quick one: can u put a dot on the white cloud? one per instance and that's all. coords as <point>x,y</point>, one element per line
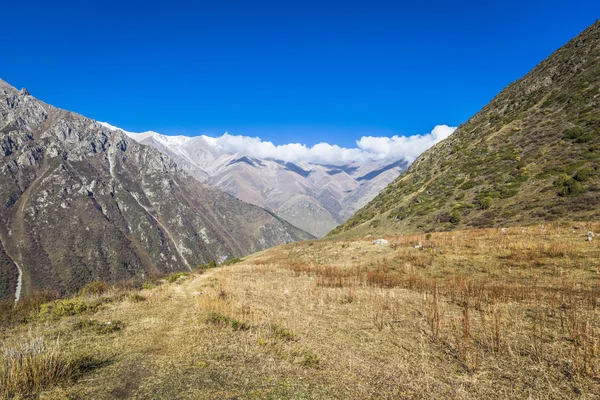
<point>368,148</point>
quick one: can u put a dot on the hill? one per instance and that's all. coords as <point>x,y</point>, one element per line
<point>79,202</point>
<point>531,155</point>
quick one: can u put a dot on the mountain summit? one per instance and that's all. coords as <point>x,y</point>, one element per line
<point>531,155</point>
<point>80,202</point>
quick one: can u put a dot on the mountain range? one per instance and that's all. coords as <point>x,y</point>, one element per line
<point>531,155</point>
<point>80,202</point>
<point>314,197</point>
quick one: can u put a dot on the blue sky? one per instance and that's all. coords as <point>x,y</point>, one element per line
<point>287,71</point>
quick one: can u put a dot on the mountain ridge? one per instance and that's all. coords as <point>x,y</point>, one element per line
<point>80,202</point>
<point>314,197</point>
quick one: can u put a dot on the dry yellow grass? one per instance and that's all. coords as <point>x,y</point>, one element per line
<point>496,313</point>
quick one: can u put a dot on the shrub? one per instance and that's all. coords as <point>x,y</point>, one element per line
<point>568,186</point>
<point>67,307</point>
<point>583,174</point>
<point>468,185</point>
<point>577,134</point>
<point>455,217</point>
<point>94,288</point>
<point>11,314</point>
<point>487,203</point>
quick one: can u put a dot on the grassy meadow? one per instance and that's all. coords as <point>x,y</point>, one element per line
<point>490,313</point>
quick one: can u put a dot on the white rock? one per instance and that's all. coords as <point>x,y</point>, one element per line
<point>380,241</point>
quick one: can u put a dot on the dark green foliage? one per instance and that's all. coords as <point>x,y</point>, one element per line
<point>568,186</point>
<point>583,174</point>
<point>455,217</point>
<point>578,134</point>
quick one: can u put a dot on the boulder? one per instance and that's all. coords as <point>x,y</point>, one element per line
<point>380,241</point>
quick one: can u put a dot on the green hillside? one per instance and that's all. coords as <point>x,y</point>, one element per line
<point>531,155</point>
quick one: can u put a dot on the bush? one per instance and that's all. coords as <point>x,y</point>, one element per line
<point>577,134</point>
<point>487,203</point>
<point>583,174</point>
<point>568,186</point>
<point>68,307</point>
<point>11,314</point>
<point>455,217</point>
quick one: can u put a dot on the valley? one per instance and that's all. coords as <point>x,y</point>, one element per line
<point>149,266</point>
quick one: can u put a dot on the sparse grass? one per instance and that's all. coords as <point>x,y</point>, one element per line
<point>96,288</point>
<point>135,297</point>
<point>34,365</point>
<point>101,328</point>
<point>218,319</point>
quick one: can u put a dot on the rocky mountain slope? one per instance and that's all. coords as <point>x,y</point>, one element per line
<point>313,197</point>
<point>79,202</point>
<point>531,155</point>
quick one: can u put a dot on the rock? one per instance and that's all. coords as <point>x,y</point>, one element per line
<point>589,239</point>
<point>590,234</point>
<point>418,246</point>
<point>380,241</point>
